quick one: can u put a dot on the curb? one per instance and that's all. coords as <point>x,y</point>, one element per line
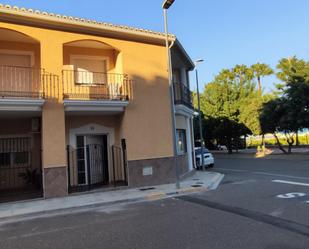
<point>81,208</point>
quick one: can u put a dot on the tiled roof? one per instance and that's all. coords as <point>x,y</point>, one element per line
<point>38,14</point>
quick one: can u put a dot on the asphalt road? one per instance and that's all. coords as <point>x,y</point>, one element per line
<point>243,213</point>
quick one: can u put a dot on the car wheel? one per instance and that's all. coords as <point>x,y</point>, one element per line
<point>211,165</point>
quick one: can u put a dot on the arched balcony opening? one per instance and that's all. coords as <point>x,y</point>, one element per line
<point>93,71</point>
<point>20,72</point>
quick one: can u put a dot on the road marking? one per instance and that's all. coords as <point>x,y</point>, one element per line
<point>254,215</point>
<point>264,173</point>
<point>292,183</point>
<point>288,176</point>
<point>235,170</point>
<point>291,195</point>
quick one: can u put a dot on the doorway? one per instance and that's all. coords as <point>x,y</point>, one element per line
<point>92,160</point>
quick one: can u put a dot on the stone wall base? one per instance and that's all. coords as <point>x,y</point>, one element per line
<point>55,182</point>
<point>155,171</point>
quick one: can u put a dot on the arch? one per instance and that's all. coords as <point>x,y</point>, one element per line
<point>90,43</point>
<point>16,36</point>
<point>88,49</point>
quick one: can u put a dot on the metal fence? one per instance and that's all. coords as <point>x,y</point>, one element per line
<point>21,82</point>
<point>85,85</point>
<point>28,82</point>
<point>182,95</point>
<point>20,169</point>
<point>119,166</point>
<point>89,169</point>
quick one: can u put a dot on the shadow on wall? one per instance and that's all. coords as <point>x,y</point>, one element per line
<point>147,120</point>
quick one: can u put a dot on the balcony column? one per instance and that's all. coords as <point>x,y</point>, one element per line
<point>53,122</point>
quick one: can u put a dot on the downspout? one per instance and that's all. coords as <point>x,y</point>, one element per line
<point>172,44</point>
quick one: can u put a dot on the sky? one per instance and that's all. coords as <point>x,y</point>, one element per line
<point>222,32</point>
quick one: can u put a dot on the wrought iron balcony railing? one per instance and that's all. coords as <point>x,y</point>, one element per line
<point>182,95</point>
<point>86,85</point>
<point>21,82</point>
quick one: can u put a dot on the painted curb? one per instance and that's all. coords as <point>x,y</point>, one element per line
<point>155,196</point>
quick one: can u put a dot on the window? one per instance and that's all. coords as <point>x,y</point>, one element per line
<point>90,70</point>
<point>15,152</point>
<point>5,159</point>
<point>181,142</point>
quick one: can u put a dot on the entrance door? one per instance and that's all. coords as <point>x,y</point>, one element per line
<point>92,163</point>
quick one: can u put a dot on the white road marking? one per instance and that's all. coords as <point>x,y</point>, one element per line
<point>291,195</point>
<point>292,183</point>
<point>235,170</point>
<point>264,173</point>
<point>288,176</point>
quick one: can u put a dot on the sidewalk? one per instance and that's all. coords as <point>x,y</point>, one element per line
<point>200,181</point>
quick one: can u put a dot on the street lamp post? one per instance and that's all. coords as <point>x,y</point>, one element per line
<point>166,4</point>
<point>199,112</point>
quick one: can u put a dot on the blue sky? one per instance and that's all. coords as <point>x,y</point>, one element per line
<point>223,32</point>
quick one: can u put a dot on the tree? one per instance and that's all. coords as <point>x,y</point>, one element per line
<point>222,102</point>
<point>270,116</point>
<point>261,70</point>
<point>293,71</point>
<point>289,68</point>
<point>289,113</point>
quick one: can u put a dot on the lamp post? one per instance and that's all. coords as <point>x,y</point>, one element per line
<point>165,6</point>
<point>199,112</point>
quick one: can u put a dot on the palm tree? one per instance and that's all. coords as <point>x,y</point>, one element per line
<point>261,70</point>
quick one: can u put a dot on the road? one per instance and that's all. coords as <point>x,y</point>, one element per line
<point>245,212</point>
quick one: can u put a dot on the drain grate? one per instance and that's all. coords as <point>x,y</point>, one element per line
<point>145,189</point>
<point>196,185</point>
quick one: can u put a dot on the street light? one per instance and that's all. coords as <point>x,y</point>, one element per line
<point>167,3</point>
<point>165,6</point>
<point>199,111</point>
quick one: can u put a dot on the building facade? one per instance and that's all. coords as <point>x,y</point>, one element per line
<point>85,104</point>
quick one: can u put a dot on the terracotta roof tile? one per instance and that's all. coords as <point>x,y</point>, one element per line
<point>79,20</point>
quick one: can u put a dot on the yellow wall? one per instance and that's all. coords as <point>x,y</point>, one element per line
<point>146,123</point>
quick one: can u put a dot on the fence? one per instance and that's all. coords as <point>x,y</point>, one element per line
<point>88,167</point>
<point>85,85</point>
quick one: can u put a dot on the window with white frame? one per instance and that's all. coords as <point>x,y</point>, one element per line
<point>15,152</point>
<point>181,141</point>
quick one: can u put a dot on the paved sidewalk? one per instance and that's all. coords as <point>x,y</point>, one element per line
<point>200,181</point>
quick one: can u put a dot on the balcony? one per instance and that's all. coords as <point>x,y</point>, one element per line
<point>183,100</point>
<point>21,88</point>
<point>182,95</point>
<point>95,91</point>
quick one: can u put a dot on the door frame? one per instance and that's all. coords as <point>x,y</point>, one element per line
<point>86,156</point>
<point>95,129</point>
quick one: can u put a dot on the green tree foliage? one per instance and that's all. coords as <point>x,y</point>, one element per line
<point>261,70</point>
<point>228,105</point>
<point>288,113</point>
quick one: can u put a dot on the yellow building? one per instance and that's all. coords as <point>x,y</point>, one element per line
<point>85,104</point>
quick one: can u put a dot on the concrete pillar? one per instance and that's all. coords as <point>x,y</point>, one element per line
<point>189,143</point>
<point>53,121</point>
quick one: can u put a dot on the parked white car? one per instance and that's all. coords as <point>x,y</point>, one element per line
<point>209,160</point>
<point>222,147</point>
